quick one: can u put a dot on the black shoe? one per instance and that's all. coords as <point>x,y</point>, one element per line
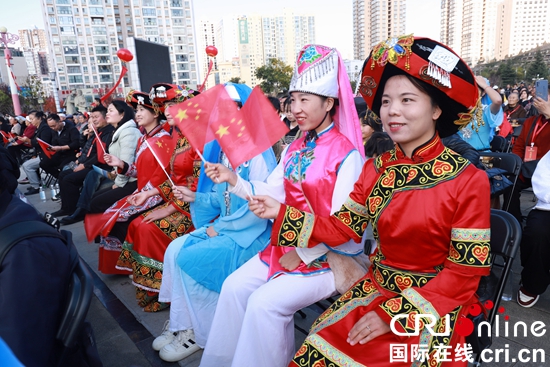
<point>24,181</point>
<point>77,216</point>
<point>56,197</point>
<point>61,213</point>
<point>32,191</point>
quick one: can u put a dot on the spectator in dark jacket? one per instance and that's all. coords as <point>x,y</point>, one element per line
<point>71,180</point>
<point>34,276</point>
<point>65,144</point>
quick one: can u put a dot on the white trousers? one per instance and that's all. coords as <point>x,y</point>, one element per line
<point>171,288</point>
<point>254,321</point>
<point>192,305</point>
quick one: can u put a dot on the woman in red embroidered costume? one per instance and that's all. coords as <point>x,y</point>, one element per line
<point>148,173</point>
<point>415,196</point>
<point>150,234</point>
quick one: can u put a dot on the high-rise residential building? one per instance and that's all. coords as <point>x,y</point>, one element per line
<point>251,47</point>
<point>521,25</point>
<point>33,39</point>
<point>35,51</point>
<point>84,36</point>
<point>375,21</point>
<point>223,35</point>
<point>247,42</point>
<point>468,27</point>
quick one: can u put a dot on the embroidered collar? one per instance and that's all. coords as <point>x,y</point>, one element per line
<point>153,131</point>
<point>429,150</point>
<point>311,143</point>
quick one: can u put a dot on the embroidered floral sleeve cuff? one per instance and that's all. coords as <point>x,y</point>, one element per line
<point>295,228</point>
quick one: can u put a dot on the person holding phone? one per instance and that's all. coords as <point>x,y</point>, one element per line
<point>531,145</point>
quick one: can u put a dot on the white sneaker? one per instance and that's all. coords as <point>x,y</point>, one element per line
<point>165,338</point>
<point>181,347</point>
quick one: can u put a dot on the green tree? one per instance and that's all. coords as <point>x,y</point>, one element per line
<point>538,68</point>
<point>236,80</point>
<point>275,76</point>
<point>506,73</point>
<point>33,94</point>
<point>6,104</point>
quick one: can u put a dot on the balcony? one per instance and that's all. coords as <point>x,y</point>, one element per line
<point>101,50</point>
<point>104,69</point>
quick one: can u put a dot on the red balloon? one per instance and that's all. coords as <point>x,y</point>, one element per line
<point>211,51</point>
<point>125,55</point>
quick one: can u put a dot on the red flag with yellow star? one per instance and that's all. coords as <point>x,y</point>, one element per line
<point>193,116</point>
<point>251,130</point>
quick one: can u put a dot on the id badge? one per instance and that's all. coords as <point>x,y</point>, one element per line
<point>530,154</point>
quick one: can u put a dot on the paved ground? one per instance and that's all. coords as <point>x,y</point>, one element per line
<point>124,332</point>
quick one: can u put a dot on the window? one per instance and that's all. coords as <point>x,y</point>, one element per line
<point>75,78</point>
<point>183,75</point>
<point>66,30</point>
<point>64,10</point>
<point>73,69</point>
<point>71,60</point>
<point>68,40</point>
<point>96,11</point>
<point>149,12</point>
<point>149,21</point>
<point>101,50</point>
<point>104,68</point>
<point>65,20</point>
<point>177,13</point>
<point>70,50</point>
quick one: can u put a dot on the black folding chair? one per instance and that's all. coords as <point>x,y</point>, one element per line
<point>505,241</point>
<point>78,302</point>
<point>509,162</point>
<point>500,144</point>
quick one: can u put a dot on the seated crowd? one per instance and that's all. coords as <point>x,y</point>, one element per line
<point>234,252</point>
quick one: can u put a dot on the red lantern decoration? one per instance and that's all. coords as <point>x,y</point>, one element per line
<point>125,55</point>
<point>211,51</point>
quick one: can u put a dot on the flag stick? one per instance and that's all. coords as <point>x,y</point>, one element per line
<point>204,161</point>
<point>97,137</point>
<point>159,162</point>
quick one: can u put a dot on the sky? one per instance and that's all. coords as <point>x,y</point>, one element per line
<point>333,19</point>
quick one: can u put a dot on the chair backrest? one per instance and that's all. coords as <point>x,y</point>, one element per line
<point>509,162</point>
<point>78,302</point>
<point>69,333</point>
<point>500,144</point>
<point>505,242</point>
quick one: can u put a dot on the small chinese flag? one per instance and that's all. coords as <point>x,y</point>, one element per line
<point>96,224</point>
<point>193,116</point>
<point>99,224</point>
<point>162,150</point>
<point>251,130</point>
<point>7,136</point>
<point>45,148</point>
